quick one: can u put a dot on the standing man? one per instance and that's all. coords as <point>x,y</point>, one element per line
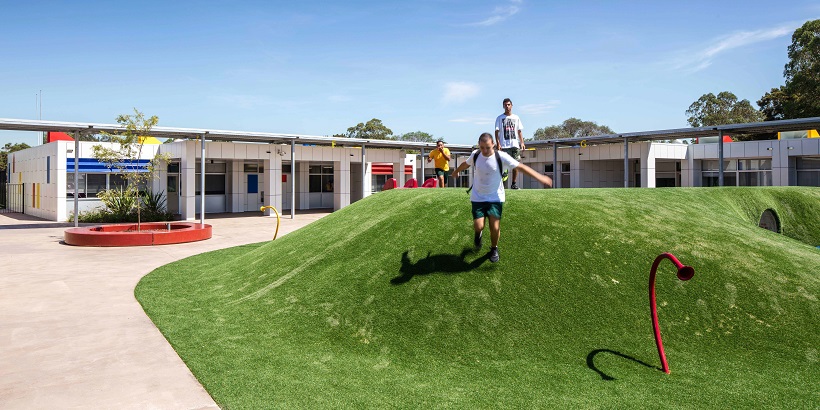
<point>442,157</point>
<point>487,192</point>
<point>509,136</point>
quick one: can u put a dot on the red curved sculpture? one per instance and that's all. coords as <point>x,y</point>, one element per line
<point>150,233</point>
<point>684,273</point>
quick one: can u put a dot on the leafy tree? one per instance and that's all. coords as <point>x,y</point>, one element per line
<point>720,109</point>
<point>771,104</point>
<point>8,149</point>
<point>798,97</point>
<point>416,136</point>
<point>125,158</point>
<point>373,129</point>
<point>570,128</point>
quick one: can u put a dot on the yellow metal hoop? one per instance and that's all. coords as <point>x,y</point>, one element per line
<point>583,143</point>
<point>277,219</point>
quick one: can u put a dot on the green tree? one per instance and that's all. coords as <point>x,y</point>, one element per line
<point>372,130</point>
<point>798,97</point>
<point>772,103</point>
<point>720,109</point>
<point>126,153</point>
<point>8,149</point>
<point>570,128</point>
<point>416,136</point>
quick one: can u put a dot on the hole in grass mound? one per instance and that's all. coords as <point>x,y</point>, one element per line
<point>770,221</point>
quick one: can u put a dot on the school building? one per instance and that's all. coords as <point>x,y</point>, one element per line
<point>233,171</point>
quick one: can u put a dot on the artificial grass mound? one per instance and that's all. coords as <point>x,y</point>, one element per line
<point>383,304</point>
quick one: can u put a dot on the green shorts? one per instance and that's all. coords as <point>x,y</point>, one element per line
<point>486,209</point>
<point>441,173</point>
<point>513,152</point>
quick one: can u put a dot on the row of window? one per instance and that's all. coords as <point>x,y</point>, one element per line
<point>758,172</point>
<point>742,172</point>
<point>89,185</point>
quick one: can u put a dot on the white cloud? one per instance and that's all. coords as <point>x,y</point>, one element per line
<point>475,120</point>
<point>500,13</point>
<point>698,60</point>
<point>537,109</point>
<point>458,92</point>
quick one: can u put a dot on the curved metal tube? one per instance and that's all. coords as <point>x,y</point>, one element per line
<point>278,219</point>
<point>684,273</point>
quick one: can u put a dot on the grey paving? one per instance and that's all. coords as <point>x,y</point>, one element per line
<point>72,335</point>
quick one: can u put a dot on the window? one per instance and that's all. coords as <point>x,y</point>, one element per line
<point>95,183</point>
<point>808,171</point>
<point>378,182</point>
<point>215,181</point>
<point>80,186</point>
<point>214,184</point>
<point>92,184</point>
<point>117,181</point>
<point>320,178</point>
<point>741,172</point>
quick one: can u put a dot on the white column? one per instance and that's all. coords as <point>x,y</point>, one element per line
<point>398,170</point>
<point>687,169</point>
<point>238,196</point>
<point>367,175</point>
<point>575,177</point>
<point>341,179</point>
<point>273,182</point>
<point>780,163</point>
<point>422,163</point>
<point>303,184</point>
<point>187,175</point>
<point>647,166</point>
<point>202,182</point>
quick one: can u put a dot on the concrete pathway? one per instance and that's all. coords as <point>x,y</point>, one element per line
<point>72,334</point>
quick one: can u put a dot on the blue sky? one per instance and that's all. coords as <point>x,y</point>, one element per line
<point>443,67</point>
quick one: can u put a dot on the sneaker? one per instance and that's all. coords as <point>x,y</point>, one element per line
<point>477,239</point>
<point>494,254</point>
<point>514,186</point>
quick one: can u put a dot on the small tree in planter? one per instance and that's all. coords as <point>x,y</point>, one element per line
<point>125,158</point>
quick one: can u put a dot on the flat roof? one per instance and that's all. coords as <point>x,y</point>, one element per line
<point>219,135</point>
<point>800,124</point>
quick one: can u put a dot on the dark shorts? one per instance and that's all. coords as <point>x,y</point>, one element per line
<point>513,152</point>
<point>486,209</point>
<point>441,173</point>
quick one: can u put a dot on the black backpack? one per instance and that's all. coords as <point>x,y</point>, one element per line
<point>500,167</point>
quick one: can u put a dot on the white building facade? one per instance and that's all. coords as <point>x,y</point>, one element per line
<point>243,176</point>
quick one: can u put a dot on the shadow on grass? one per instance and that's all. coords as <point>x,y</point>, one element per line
<point>443,263</point>
<point>591,362</point>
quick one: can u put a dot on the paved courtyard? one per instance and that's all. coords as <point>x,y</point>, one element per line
<point>72,334</point>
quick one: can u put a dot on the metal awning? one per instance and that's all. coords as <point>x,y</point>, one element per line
<point>799,124</point>
<point>219,135</point>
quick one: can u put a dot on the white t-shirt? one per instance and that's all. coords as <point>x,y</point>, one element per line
<point>487,184</point>
<point>508,127</point>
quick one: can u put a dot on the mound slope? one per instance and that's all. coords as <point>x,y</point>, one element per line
<point>383,304</point>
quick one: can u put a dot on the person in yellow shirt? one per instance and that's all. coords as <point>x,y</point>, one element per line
<point>442,157</point>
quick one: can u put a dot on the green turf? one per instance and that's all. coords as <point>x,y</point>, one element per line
<point>382,304</point>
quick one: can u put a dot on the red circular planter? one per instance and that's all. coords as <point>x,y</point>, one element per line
<point>150,233</point>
